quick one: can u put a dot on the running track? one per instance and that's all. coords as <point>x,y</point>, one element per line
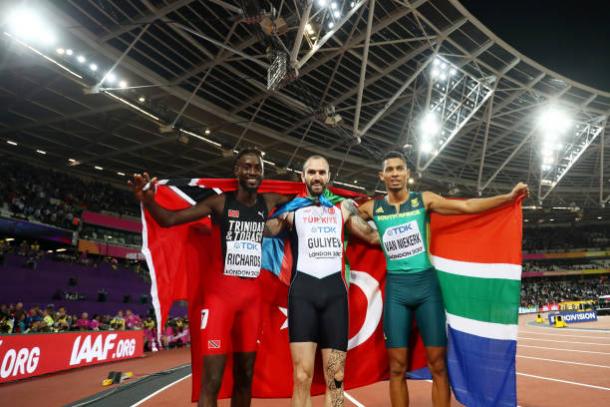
<point>556,368</point>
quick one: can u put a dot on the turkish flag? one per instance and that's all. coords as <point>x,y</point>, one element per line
<point>366,358</point>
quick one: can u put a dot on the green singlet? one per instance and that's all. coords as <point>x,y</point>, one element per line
<point>412,288</point>
<point>404,235</point>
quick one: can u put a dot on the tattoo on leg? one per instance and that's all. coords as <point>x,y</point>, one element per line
<point>334,377</point>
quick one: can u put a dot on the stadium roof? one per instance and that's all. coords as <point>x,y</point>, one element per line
<point>197,79</point>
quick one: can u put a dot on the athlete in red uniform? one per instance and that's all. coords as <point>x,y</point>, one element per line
<point>228,320</point>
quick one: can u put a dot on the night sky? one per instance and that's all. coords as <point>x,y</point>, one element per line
<point>568,37</point>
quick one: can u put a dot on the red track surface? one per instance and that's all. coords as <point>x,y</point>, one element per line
<point>571,368</point>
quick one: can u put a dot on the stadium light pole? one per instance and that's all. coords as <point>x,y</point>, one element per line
<point>365,59</point>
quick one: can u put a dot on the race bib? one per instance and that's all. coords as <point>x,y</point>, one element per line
<point>243,259</point>
<point>403,241</point>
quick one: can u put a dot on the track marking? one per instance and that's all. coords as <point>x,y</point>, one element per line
<point>562,336</point>
<point>353,400</point>
<point>564,381</point>
<point>570,350</point>
<point>592,330</point>
<point>160,390</point>
<point>564,361</point>
<point>555,340</point>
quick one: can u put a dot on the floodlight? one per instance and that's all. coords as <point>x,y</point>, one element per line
<point>435,72</point>
<point>331,24</point>
<point>61,51</point>
<point>69,52</point>
<point>81,59</point>
<point>97,167</point>
<point>322,3</point>
<point>452,71</point>
<point>553,121</point>
<point>429,125</point>
<point>141,99</point>
<point>122,84</point>
<point>207,131</point>
<point>110,77</point>
<point>337,14</point>
<point>333,6</point>
<point>426,147</point>
<point>443,76</point>
<point>28,25</point>
<point>93,67</point>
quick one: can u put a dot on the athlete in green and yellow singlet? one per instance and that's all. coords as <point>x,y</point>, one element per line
<point>412,288</point>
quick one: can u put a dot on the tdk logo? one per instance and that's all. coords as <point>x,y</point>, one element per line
<point>324,229</point>
<point>400,229</point>
<point>245,245</point>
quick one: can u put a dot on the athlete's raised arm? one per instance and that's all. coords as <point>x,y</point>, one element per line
<point>444,206</point>
<point>144,191</point>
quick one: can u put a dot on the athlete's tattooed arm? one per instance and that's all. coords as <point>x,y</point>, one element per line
<point>357,225</point>
<point>275,226</point>
<point>334,374</point>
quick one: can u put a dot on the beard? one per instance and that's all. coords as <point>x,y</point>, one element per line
<point>313,193</point>
<point>247,187</point>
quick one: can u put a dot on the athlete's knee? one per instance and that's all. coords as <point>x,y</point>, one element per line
<point>437,365</point>
<point>337,380</point>
<point>398,367</point>
<point>335,366</point>
<point>243,377</point>
<point>303,375</point>
<point>212,382</point>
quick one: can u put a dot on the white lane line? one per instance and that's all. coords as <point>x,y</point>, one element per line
<point>555,340</point>
<point>564,381</point>
<point>593,331</point>
<point>563,349</point>
<point>160,390</point>
<point>564,361</point>
<point>563,336</point>
<point>353,400</point>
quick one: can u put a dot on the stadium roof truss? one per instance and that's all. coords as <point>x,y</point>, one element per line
<point>179,86</point>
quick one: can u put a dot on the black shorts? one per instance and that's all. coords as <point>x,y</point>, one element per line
<point>318,311</point>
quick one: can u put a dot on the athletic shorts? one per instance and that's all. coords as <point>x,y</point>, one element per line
<point>318,311</point>
<point>231,316</point>
<point>412,294</point>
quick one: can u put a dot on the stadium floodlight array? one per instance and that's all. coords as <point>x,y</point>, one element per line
<point>454,97</point>
<point>560,154</point>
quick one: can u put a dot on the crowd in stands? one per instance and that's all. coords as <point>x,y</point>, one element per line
<point>32,253</point>
<point>565,265</point>
<point>564,238</point>
<point>540,291</point>
<point>98,233</point>
<point>16,319</point>
<point>56,198</point>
